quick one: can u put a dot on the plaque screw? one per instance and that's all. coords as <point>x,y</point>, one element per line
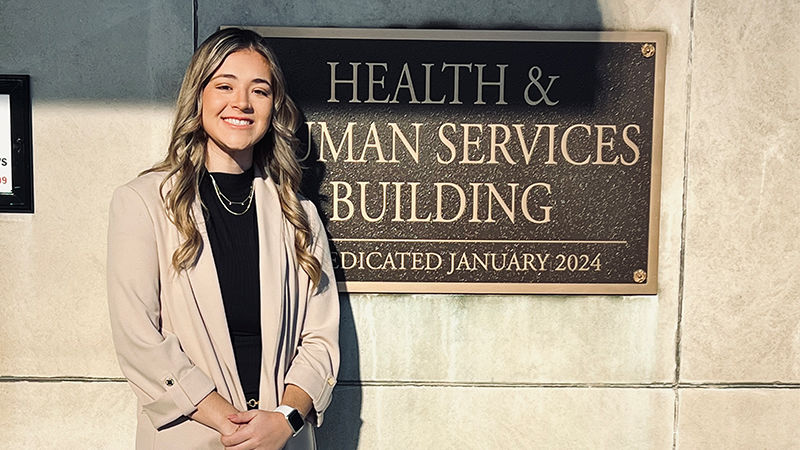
<point>648,50</point>
<point>639,276</point>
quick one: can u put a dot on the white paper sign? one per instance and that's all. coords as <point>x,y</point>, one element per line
<point>5,145</point>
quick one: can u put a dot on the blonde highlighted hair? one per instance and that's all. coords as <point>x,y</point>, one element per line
<point>274,154</point>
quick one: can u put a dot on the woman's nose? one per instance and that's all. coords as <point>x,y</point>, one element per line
<point>242,100</point>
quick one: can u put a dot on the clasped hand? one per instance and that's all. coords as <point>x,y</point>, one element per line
<point>257,430</point>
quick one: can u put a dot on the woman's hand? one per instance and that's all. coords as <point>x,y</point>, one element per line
<point>213,411</point>
<point>261,430</point>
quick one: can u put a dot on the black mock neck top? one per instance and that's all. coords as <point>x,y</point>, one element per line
<point>234,245</point>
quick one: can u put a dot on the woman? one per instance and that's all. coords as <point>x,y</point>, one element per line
<point>223,304</point>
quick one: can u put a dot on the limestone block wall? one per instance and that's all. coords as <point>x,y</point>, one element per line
<point>711,361</point>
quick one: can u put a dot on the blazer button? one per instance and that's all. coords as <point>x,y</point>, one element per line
<point>331,381</point>
<point>169,381</point>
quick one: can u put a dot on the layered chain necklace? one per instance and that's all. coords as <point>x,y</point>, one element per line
<point>227,203</point>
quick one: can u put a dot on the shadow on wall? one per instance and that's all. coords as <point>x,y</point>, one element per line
<point>342,427</point>
<point>98,50</point>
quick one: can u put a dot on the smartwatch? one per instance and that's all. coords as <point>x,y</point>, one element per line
<point>293,417</point>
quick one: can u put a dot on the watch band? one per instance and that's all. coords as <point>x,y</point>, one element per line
<point>293,417</point>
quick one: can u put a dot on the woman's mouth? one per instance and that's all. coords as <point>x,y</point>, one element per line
<point>237,122</point>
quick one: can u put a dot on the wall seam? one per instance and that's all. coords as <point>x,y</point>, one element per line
<point>732,385</point>
<point>59,379</point>
<point>195,22</point>
<point>457,384</point>
<point>684,214</point>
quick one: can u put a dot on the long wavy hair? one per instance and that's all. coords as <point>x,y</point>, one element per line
<point>274,154</point>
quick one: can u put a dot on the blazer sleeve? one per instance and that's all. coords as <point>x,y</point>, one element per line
<point>316,363</point>
<point>166,382</point>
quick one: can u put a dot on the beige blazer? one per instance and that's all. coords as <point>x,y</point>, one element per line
<point>170,330</point>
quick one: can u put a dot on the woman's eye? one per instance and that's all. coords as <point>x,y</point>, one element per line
<point>224,87</point>
<point>262,92</point>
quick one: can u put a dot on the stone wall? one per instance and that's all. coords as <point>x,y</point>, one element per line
<point>712,361</point>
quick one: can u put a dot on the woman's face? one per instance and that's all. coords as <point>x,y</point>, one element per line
<point>237,105</point>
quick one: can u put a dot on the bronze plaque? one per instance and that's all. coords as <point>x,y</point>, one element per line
<point>482,161</point>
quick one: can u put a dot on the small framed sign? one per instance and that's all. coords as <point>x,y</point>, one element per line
<point>16,149</point>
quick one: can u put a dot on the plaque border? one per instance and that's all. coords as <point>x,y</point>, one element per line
<point>657,38</point>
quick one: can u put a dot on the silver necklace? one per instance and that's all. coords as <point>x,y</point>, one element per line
<point>247,202</point>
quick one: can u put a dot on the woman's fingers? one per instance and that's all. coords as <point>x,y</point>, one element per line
<point>242,446</point>
<point>243,417</point>
<point>239,437</point>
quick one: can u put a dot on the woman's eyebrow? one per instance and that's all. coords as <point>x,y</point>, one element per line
<point>234,77</point>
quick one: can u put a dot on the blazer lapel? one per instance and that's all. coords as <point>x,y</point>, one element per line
<point>205,287</point>
<point>273,269</point>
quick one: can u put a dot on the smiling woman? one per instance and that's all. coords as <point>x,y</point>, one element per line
<point>223,305</point>
<point>237,109</point>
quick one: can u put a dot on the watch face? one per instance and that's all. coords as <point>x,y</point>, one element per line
<point>295,420</point>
